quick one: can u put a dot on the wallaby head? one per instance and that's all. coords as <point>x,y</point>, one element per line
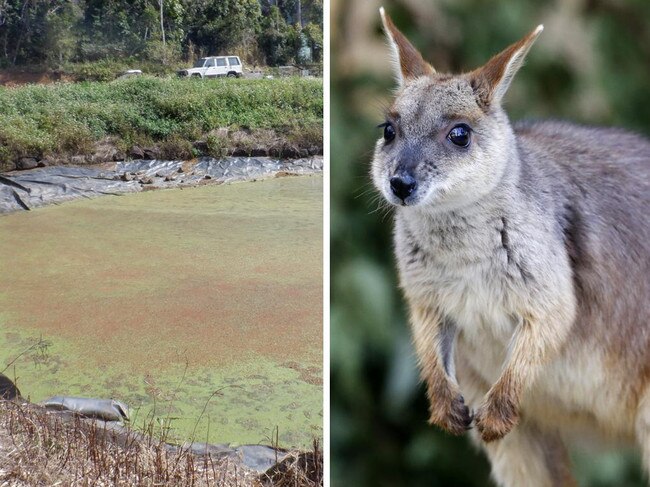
<point>447,141</point>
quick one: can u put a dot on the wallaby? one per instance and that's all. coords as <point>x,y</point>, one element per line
<point>524,255</point>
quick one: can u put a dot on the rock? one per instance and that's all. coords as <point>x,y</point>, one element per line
<point>51,161</point>
<point>97,159</point>
<point>315,150</point>
<point>240,152</point>
<point>151,153</point>
<point>207,176</point>
<point>119,156</point>
<point>136,152</point>
<point>126,177</point>
<point>78,160</point>
<point>8,390</point>
<point>290,152</point>
<point>146,181</point>
<point>26,163</point>
<point>200,145</point>
<point>103,151</point>
<point>259,152</point>
<point>170,177</point>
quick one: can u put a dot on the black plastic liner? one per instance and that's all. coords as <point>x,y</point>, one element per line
<point>24,190</point>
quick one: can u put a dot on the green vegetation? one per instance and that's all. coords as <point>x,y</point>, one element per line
<point>591,65</point>
<point>68,119</point>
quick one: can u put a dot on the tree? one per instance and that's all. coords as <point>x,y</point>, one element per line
<point>314,35</point>
<point>275,38</point>
<point>224,26</point>
<point>162,23</point>
<point>312,12</point>
<point>23,27</point>
<point>57,31</point>
<point>62,34</point>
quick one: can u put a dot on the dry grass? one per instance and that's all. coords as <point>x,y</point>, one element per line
<point>38,447</point>
<point>304,469</point>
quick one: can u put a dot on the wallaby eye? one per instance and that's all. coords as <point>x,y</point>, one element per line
<point>460,135</point>
<point>389,131</point>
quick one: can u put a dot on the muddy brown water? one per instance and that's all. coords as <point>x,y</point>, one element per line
<point>200,308</point>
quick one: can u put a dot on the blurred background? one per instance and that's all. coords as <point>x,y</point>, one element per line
<point>591,65</point>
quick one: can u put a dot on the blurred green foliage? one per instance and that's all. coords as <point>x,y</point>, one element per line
<point>591,65</point>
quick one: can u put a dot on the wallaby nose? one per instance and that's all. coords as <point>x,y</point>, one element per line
<point>403,186</point>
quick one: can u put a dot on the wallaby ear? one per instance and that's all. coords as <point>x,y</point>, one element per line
<point>491,81</point>
<point>408,62</point>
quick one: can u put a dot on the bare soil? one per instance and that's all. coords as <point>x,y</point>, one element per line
<point>23,76</point>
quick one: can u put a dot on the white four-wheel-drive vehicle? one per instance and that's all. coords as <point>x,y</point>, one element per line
<point>213,66</point>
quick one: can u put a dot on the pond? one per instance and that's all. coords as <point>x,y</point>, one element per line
<point>201,308</point>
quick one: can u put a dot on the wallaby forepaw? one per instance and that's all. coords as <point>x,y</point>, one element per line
<point>495,418</point>
<point>453,416</point>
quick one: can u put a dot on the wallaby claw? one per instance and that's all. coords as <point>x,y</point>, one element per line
<point>495,418</point>
<point>454,417</point>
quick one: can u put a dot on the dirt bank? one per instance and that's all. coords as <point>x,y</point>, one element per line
<point>159,118</point>
<point>221,143</point>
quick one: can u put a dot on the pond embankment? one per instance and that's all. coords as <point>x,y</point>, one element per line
<point>159,118</point>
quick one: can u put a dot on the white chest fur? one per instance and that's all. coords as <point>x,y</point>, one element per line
<point>465,267</point>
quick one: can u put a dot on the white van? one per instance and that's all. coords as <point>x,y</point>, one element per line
<point>213,66</point>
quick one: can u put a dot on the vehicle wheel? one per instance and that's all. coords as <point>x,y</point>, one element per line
<point>232,75</point>
<point>196,76</point>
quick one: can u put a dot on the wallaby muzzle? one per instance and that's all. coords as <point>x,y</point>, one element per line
<point>403,185</point>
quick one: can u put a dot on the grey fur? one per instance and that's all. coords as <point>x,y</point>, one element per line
<point>534,239</point>
<point>448,334</point>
